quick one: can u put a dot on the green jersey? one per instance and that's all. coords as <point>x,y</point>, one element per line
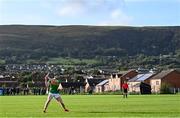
<point>54,84</point>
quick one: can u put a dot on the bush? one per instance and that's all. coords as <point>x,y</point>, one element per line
<point>165,89</point>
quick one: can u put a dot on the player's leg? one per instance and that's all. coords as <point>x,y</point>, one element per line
<point>123,93</point>
<point>126,93</point>
<point>60,102</point>
<point>49,98</point>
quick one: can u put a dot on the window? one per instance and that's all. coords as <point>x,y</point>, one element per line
<point>157,82</point>
<point>114,76</point>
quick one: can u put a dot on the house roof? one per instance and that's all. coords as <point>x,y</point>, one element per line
<point>141,77</point>
<point>102,83</point>
<point>162,74</point>
<point>136,78</point>
<point>72,84</point>
<point>145,76</point>
<point>126,72</point>
<point>94,82</point>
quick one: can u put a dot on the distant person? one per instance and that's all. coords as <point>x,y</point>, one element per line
<point>39,91</point>
<point>54,86</point>
<point>44,91</point>
<point>14,91</point>
<point>3,91</point>
<point>24,91</point>
<point>125,89</point>
<point>7,91</point>
<point>90,90</point>
<point>10,91</point>
<point>17,91</point>
<point>27,91</point>
<point>34,90</point>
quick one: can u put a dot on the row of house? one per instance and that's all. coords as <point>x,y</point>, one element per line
<point>154,79</point>
<point>113,82</point>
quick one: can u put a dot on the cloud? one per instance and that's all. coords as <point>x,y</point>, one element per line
<point>117,13</point>
<point>72,8</point>
<point>82,7</point>
<point>117,17</point>
<point>105,12</point>
<point>98,12</point>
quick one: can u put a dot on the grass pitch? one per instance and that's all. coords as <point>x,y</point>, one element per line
<point>92,106</point>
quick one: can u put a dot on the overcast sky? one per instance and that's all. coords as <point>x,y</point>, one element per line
<point>91,12</point>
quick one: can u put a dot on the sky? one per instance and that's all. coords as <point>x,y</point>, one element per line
<point>91,12</point>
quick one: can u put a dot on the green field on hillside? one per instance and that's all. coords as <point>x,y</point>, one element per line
<point>72,61</point>
<point>92,106</point>
<point>65,61</point>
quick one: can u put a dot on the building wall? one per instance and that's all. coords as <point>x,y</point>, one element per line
<point>173,79</point>
<point>155,85</point>
<point>114,83</point>
<point>99,89</point>
<point>102,88</point>
<point>133,88</point>
<point>106,87</point>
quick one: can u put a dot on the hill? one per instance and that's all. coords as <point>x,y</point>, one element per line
<point>35,42</point>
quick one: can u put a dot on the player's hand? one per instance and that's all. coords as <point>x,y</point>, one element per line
<point>47,76</point>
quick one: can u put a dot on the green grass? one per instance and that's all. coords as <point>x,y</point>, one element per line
<point>68,62</point>
<point>93,106</point>
<point>72,61</point>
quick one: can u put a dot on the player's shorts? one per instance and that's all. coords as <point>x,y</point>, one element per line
<point>54,95</point>
<point>125,90</point>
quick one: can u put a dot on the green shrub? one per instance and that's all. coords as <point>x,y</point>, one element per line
<point>165,89</point>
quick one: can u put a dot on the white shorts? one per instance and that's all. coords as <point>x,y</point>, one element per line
<point>54,95</point>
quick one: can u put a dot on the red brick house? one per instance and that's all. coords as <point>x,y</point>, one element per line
<point>116,80</point>
<point>170,77</point>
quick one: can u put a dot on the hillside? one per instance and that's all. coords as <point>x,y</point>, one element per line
<point>33,42</point>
